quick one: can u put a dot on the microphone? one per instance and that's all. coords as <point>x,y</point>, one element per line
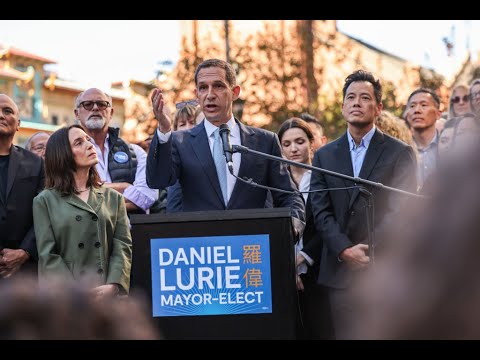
<point>227,147</point>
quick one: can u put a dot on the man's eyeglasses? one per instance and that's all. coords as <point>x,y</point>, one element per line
<point>181,105</point>
<point>39,148</point>
<point>88,105</point>
<point>475,95</point>
<point>457,99</point>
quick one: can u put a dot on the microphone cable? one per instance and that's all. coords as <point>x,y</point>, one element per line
<point>250,181</point>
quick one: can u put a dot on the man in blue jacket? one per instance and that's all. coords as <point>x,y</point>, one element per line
<point>189,155</point>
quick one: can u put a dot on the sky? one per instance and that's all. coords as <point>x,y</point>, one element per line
<point>98,52</point>
<point>419,41</point>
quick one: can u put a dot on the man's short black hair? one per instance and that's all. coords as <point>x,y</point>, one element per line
<point>362,75</point>
<point>435,97</point>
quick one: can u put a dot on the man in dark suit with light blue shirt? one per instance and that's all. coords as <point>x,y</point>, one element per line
<point>190,156</point>
<point>365,152</point>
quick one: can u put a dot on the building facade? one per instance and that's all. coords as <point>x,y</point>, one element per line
<point>45,102</point>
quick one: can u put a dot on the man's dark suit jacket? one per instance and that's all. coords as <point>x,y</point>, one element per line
<point>312,240</point>
<point>187,157</point>
<point>25,180</point>
<point>174,198</point>
<point>340,215</point>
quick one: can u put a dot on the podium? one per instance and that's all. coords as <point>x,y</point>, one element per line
<point>223,269</point>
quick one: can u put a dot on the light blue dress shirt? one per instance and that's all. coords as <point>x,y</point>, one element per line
<point>357,153</point>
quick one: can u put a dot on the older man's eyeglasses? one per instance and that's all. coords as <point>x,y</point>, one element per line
<point>181,105</point>
<point>39,148</point>
<point>88,105</point>
<point>475,95</point>
<point>457,99</point>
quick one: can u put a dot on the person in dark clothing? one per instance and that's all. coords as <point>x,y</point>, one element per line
<point>340,216</point>
<point>21,179</point>
<point>298,144</point>
<point>206,182</point>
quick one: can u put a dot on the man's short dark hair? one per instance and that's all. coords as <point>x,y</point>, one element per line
<point>312,120</point>
<point>229,70</point>
<point>432,93</point>
<point>362,75</point>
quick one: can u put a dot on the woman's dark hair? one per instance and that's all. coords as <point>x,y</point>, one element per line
<point>60,164</point>
<point>295,123</point>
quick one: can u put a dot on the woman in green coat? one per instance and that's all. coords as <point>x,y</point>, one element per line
<point>81,226</point>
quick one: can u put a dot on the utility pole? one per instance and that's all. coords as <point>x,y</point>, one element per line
<point>226,25</point>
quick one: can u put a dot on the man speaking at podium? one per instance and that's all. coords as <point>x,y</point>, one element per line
<point>195,156</point>
<point>340,216</point>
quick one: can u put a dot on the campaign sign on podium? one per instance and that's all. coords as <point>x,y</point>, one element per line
<point>211,275</point>
<point>217,274</point>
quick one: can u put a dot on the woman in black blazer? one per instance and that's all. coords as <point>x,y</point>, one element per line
<point>297,141</point>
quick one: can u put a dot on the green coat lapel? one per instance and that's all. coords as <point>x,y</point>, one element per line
<point>95,201</point>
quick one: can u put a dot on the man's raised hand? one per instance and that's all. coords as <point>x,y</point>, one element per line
<point>161,111</point>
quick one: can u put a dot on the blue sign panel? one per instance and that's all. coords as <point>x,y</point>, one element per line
<point>214,275</point>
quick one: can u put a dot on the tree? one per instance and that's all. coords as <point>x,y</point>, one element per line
<point>390,99</point>
<point>430,79</point>
<point>289,67</point>
<point>273,64</point>
<point>475,73</point>
<point>305,30</point>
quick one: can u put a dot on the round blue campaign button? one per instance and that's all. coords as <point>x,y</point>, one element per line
<point>120,157</point>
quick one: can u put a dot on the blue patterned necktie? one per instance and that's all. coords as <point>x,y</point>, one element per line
<point>220,164</point>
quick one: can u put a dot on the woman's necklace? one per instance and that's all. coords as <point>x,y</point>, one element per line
<point>81,191</point>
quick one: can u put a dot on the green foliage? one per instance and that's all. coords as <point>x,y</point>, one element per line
<point>390,99</point>
<point>331,117</point>
<point>273,85</point>
<point>475,73</point>
<point>430,79</point>
<point>280,70</point>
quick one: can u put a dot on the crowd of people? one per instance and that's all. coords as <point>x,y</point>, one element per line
<point>67,197</point>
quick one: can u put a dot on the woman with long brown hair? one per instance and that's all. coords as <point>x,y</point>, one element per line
<point>297,142</point>
<point>81,226</point>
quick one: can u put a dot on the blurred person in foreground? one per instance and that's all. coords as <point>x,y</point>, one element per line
<point>340,216</point>
<point>121,165</point>
<point>426,285</point>
<point>66,311</point>
<point>81,226</point>
<point>195,157</point>
<point>37,143</point>
<point>21,179</point>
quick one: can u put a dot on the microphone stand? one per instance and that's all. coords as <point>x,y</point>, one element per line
<point>356,180</point>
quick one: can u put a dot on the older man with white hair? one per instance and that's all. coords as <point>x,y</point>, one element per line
<point>121,165</point>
